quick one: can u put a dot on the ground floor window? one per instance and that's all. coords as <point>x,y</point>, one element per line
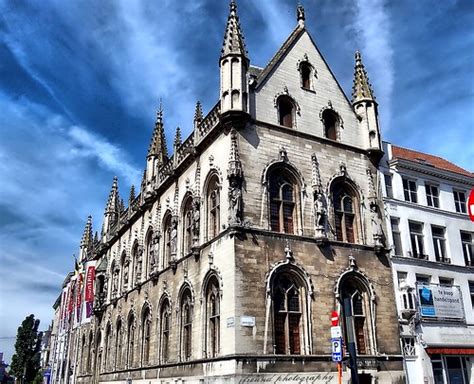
<point>450,369</point>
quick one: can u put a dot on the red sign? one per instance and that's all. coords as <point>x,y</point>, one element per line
<point>470,205</point>
<point>90,284</point>
<point>334,318</point>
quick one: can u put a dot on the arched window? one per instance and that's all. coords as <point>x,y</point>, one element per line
<point>148,251</point>
<point>356,314</point>
<point>188,225</point>
<point>89,353</point>
<point>286,111</point>
<point>130,340</point>
<point>287,298</point>
<point>331,123</point>
<point>345,213</point>
<point>213,207</point>
<point>186,324</point>
<point>165,323</point>
<point>213,317</point>
<point>305,71</point>
<point>146,333</point>
<point>283,201</point>
<point>108,345</point>
<point>118,344</point>
<point>167,240</point>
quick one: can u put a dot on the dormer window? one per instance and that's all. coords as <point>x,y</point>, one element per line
<point>331,124</point>
<point>305,70</point>
<point>286,111</point>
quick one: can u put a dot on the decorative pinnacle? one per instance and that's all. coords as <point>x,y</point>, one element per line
<point>300,14</point>
<point>361,88</point>
<point>177,137</point>
<point>87,234</point>
<point>233,6</point>
<point>158,141</point>
<point>198,112</point>
<point>113,200</point>
<point>132,194</point>
<point>233,37</point>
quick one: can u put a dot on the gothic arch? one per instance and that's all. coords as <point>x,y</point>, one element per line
<point>339,123</point>
<point>186,285</point>
<point>290,266</point>
<point>353,275</point>
<point>212,272</point>
<point>213,170</point>
<point>288,165</point>
<point>343,180</point>
<point>286,93</point>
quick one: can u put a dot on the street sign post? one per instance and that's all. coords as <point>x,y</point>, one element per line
<point>336,344</point>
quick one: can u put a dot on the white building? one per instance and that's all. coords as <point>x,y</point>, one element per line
<point>433,263</point>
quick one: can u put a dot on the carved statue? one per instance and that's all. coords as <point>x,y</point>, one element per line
<point>320,210</point>
<point>125,274</point>
<point>196,220</point>
<point>155,251</point>
<point>115,280</point>
<point>376,224</point>
<point>174,235</point>
<point>138,267</point>
<point>235,202</point>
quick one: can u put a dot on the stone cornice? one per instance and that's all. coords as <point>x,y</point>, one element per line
<point>432,264</point>
<point>436,211</point>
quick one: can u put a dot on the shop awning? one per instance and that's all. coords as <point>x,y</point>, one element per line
<point>450,351</point>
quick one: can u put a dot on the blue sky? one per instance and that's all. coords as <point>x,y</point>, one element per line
<point>80,82</point>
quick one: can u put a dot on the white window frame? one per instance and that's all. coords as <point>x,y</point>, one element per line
<point>409,193</point>
<point>432,195</point>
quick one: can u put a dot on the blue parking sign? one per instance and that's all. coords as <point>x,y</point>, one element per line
<point>336,346</point>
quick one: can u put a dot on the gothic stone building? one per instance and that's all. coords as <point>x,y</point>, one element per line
<point>227,264</point>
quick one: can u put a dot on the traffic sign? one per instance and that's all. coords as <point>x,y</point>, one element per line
<point>470,205</point>
<point>334,318</point>
<point>336,332</point>
<point>336,345</point>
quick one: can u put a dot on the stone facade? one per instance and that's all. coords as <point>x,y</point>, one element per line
<point>227,264</point>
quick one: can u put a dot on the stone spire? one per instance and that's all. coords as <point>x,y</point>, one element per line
<point>157,147</point>
<point>112,209</point>
<point>361,88</point>
<point>233,37</point>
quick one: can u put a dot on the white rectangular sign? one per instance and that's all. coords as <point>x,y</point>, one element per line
<point>247,321</point>
<point>438,301</point>
<point>336,332</point>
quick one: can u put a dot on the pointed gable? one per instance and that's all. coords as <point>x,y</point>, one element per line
<point>282,77</point>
